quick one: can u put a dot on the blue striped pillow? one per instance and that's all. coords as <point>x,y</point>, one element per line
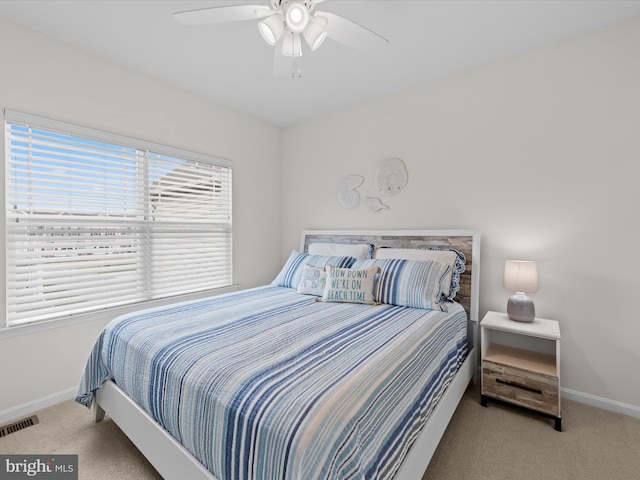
<point>291,273</point>
<point>410,283</point>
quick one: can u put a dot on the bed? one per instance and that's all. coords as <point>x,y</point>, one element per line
<point>281,381</point>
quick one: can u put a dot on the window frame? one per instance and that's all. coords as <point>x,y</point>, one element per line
<point>141,146</point>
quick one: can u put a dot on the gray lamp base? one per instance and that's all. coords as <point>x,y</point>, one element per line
<point>520,308</point>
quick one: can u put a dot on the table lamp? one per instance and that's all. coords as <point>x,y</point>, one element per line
<point>521,276</point>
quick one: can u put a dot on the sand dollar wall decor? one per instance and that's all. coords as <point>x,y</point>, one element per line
<point>392,176</point>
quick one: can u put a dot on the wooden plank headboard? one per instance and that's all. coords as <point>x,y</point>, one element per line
<point>466,241</point>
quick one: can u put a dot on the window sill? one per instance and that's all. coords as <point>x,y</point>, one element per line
<point>107,314</point>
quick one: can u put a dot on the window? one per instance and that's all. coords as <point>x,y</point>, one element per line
<point>95,220</point>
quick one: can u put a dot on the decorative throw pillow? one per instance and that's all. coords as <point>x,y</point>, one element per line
<point>313,281</point>
<point>291,273</point>
<point>450,256</point>
<point>352,285</point>
<point>410,283</point>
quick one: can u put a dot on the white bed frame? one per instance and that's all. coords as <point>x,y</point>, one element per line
<point>173,461</point>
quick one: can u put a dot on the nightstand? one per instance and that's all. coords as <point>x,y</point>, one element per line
<point>521,363</point>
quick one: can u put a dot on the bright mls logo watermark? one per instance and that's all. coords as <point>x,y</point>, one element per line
<point>49,467</point>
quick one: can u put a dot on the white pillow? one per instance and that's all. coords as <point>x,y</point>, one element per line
<point>420,254</point>
<point>359,251</point>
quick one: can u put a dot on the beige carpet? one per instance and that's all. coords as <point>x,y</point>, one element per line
<point>502,442</point>
<point>104,452</point>
<point>494,443</point>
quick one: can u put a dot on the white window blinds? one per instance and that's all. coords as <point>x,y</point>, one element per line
<point>95,220</point>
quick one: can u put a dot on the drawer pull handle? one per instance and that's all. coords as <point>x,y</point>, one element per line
<point>517,385</point>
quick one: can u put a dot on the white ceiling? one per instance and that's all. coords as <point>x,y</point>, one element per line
<point>233,66</point>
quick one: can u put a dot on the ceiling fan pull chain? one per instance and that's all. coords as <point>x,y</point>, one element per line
<point>296,67</point>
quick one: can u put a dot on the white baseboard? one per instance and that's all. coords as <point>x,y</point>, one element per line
<point>603,403</point>
<point>26,409</point>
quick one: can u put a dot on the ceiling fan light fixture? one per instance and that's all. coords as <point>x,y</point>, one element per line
<point>296,17</point>
<point>315,33</point>
<point>284,22</point>
<point>291,45</point>
<point>271,29</point>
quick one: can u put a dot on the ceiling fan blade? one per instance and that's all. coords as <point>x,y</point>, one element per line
<point>350,33</point>
<point>233,13</point>
<point>312,4</point>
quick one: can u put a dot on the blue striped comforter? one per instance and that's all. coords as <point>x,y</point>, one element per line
<point>268,384</point>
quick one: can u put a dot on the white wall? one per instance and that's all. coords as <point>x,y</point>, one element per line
<point>542,153</point>
<point>43,76</point>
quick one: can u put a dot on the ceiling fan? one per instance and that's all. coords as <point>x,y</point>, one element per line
<point>284,22</point>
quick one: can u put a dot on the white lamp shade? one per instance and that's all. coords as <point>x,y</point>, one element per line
<point>314,34</point>
<point>291,45</point>
<point>520,276</point>
<point>271,28</point>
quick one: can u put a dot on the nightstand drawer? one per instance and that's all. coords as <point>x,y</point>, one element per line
<point>522,387</point>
